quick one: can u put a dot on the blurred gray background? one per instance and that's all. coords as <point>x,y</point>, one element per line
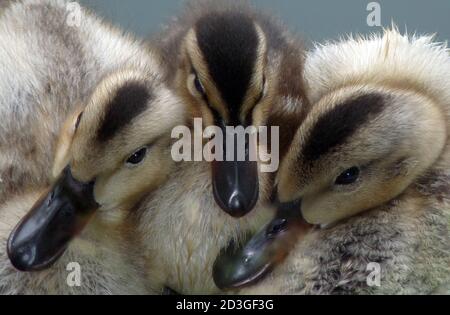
<point>315,20</point>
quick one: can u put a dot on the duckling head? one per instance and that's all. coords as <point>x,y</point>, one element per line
<point>109,155</point>
<point>223,77</point>
<point>360,147</point>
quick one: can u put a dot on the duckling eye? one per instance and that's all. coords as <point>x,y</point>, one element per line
<point>198,85</point>
<point>348,177</point>
<point>137,157</point>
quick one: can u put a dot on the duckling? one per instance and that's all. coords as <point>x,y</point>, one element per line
<point>369,169</point>
<point>48,66</point>
<point>112,150</point>
<point>236,67</point>
<point>199,226</point>
<point>110,155</point>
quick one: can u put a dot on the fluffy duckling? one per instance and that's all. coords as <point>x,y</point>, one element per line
<point>113,150</point>
<point>236,67</point>
<point>110,155</point>
<point>369,167</point>
<point>199,226</point>
<point>52,54</point>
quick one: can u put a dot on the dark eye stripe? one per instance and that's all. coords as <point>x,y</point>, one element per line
<point>128,102</point>
<point>334,127</point>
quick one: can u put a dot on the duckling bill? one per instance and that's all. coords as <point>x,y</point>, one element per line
<point>239,267</point>
<point>44,234</point>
